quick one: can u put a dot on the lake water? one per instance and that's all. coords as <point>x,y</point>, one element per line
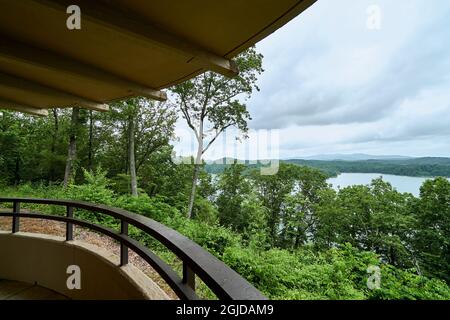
<point>401,183</point>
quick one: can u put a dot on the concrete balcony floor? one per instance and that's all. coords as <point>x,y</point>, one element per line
<point>15,290</point>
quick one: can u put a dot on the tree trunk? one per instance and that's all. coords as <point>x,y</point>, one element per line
<point>197,164</point>
<point>131,156</point>
<point>193,189</point>
<point>126,155</point>
<point>52,172</point>
<point>91,134</point>
<point>72,151</point>
<point>16,172</point>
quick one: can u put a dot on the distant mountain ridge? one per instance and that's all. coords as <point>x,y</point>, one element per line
<point>352,157</point>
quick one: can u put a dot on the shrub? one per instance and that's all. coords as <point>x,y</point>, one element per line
<point>332,274</point>
<point>96,189</point>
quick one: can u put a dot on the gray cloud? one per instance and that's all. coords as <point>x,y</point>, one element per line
<point>364,81</point>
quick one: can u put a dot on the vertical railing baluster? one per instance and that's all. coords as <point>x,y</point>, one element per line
<point>69,225</point>
<point>16,219</point>
<point>123,247</point>
<point>188,276</point>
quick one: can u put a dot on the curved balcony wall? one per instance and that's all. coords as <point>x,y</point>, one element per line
<point>44,260</point>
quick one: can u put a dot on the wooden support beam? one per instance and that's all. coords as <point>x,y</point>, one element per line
<point>10,105</point>
<point>146,34</point>
<point>13,52</point>
<point>22,84</point>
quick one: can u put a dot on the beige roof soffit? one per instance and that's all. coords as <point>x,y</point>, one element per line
<point>5,104</point>
<point>144,33</point>
<point>290,14</point>
<point>12,51</point>
<point>23,84</point>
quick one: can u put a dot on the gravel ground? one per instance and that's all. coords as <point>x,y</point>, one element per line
<point>82,234</point>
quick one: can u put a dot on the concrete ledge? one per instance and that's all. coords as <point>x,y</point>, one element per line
<point>43,259</point>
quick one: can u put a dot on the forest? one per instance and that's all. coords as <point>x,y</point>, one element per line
<point>289,234</point>
<point>416,167</point>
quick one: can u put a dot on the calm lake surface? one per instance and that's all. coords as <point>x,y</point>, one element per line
<point>401,183</point>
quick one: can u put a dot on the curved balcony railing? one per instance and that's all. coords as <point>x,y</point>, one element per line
<point>224,282</point>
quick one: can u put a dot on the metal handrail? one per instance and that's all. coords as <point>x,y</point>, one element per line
<point>221,279</point>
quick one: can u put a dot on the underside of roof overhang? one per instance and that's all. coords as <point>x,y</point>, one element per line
<point>124,47</point>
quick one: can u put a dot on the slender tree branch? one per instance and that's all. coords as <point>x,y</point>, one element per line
<point>215,137</point>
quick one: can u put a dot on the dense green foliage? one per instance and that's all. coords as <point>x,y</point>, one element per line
<point>432,240</point>
<point>330,258</point>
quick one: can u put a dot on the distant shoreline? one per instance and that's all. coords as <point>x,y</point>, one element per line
<point>427,167</point>
<point>392,174</point>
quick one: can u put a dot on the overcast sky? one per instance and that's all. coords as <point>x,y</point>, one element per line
<point>336,83</point>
